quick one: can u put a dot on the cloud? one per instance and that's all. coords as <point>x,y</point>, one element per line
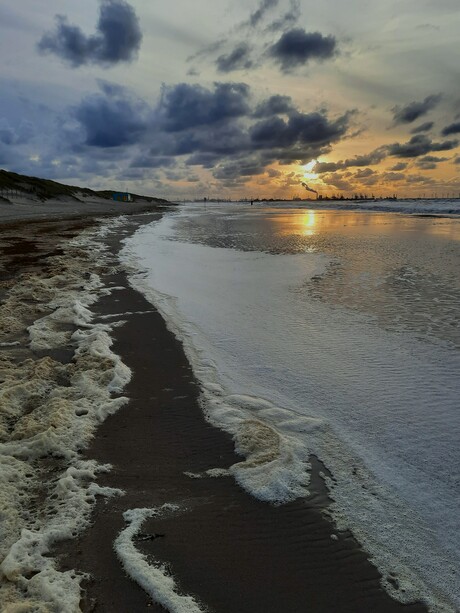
<point>432,159</point>
<point>453,128</point>
<point>238,59</point>
<point>393,177</point>
<point>273,106</point>
<point>206,159</point>
<point>429,162</point>
<point>336,180</point>
<point>225,139</point>
<point>300,128</point>
<point>297,47</point>
<point>287,20</point>
<point>222,128</point>
<point>257,16</point>
<point>152,161</point>
<point>239,169</point>
<point>411,112</point>
<point>369,159</point>
<point>118,37</point>
<point>427,26</point>
<point>208,50</point>
<point>421,179</point>
<point>399,166</point>
<point>185,106</point>
<point>112,118</point>
<point>419,145</point>
<point>19,135</point>
<point>424,127</point>
<point>7,133</point>
<point>364,173</point>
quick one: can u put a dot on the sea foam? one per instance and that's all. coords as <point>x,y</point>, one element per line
<point>51,410</point>
<point>151,576</point>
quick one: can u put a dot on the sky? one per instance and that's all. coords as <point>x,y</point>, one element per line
<point>233,99</point>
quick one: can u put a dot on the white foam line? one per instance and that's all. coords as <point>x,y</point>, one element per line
<point>153,579</point>
<point>114,315</point>
<point>53,409</point>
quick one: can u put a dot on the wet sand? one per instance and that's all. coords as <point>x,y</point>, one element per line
<point>232,552</point>
<point>12,212</point>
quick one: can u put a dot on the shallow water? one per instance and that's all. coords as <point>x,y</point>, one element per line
<point>332,333</point>
<point>401,269</point>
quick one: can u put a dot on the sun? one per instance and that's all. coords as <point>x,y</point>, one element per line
<point>308,174</point>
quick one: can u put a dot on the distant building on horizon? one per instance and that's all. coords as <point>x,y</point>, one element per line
<point>122,197</point>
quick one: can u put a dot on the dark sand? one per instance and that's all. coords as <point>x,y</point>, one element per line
<point>232,552</point>
<point>71,209</point>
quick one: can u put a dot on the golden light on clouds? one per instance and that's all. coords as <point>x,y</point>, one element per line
<point>308,174</point>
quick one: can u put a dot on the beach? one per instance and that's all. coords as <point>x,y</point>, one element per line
<point>229,307</point>
<point>214,547</point>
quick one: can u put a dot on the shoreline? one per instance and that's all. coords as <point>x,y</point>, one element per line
<point>224,547</point>
<point>52,210</point>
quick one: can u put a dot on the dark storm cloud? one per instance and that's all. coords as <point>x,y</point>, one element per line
<point>215,128</point>
<point>411,112</point>
<point>453,128</point>
<point>152,161</point>
<point>118,37</point>
<point>369,159</point>
<point>297,47</point>
<point>321,167</point>
<point>300,128</point>
<point>238,59</point>
<point>218,128</point>
<point>419,145</point>
<point>112,118</point>
<point>273,106</point>
<point>424,127</point>
<point>223,140</point>
<point>185,106</point>
<point>206,160</point>
<point>239,168</point>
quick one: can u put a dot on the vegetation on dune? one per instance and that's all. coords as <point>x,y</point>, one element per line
<point>44,189</point>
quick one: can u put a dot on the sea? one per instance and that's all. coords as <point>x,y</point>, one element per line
<point>328,330</point>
